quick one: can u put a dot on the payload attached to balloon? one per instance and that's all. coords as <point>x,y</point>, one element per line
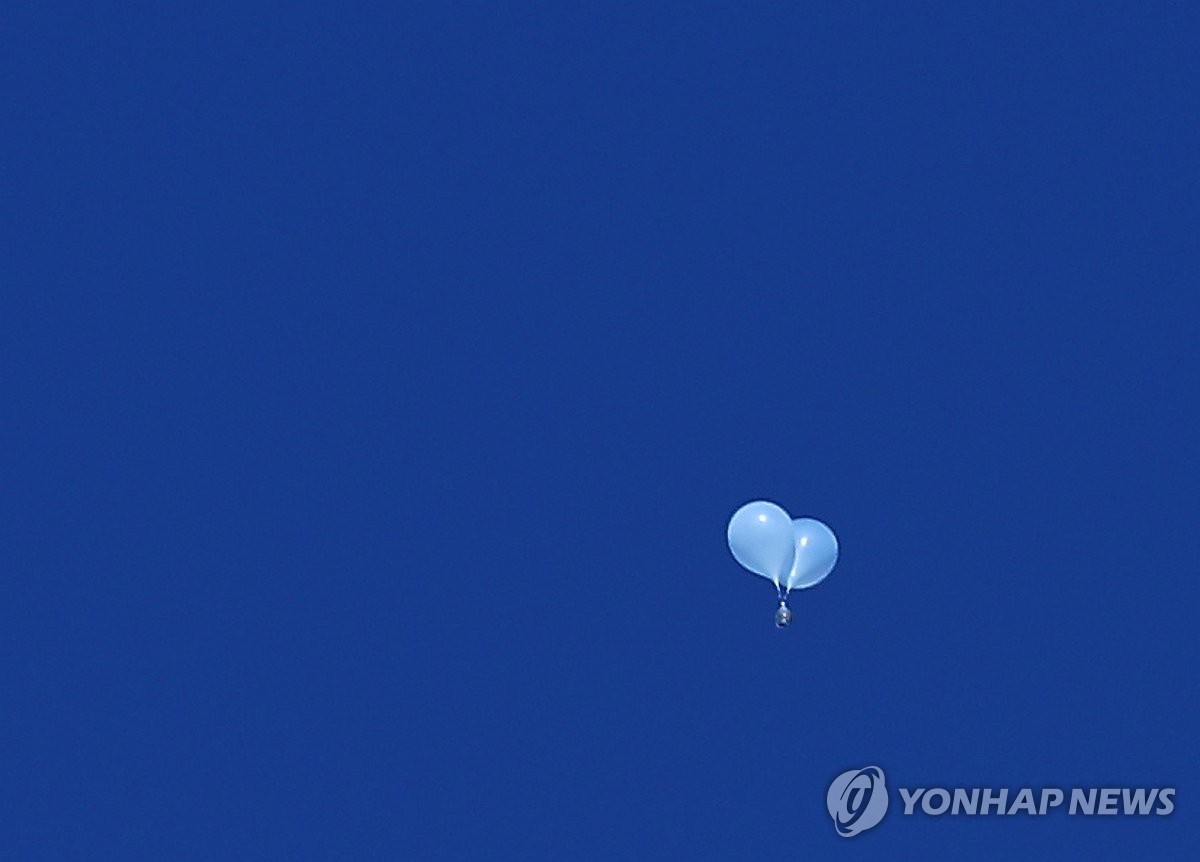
<point>792,553</point>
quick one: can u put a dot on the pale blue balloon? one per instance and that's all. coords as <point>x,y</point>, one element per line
<point>762,539</point>
<point>815,553</point>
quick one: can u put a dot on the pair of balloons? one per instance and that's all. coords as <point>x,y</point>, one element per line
<point>793,554</point>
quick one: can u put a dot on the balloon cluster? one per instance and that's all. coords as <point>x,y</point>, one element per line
<point>792,554</point>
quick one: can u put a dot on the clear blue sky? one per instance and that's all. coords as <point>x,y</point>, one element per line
<point>378,380</point>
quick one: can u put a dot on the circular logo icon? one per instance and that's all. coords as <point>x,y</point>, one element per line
<point>857,800</point>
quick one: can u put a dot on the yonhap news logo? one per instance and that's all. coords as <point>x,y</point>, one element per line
<point>858,799</point>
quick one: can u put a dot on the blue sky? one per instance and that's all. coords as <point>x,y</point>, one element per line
<point>378,382</point>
